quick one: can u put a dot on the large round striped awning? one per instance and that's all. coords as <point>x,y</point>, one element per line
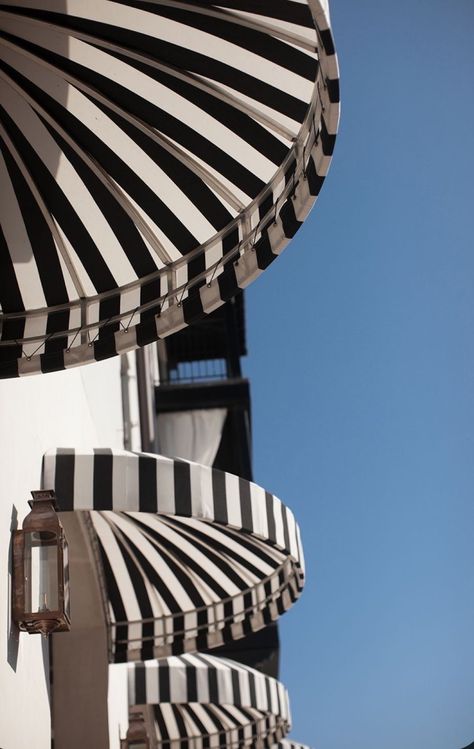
<point>156,157</point>
<point>190,557</point>
<point>211,702</point>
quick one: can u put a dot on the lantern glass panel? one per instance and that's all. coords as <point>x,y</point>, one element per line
<point>67,595</point>
<point>41,571</point>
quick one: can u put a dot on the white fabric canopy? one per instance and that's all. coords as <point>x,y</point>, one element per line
<point>155,159</point>
<point>190,557</point>
<point>210,702</point>
<point>193,435</point>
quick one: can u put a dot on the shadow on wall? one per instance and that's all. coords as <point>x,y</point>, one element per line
<point>13,640</point>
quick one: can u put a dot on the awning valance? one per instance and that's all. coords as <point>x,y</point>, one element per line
<point>210,702</point>
<point>156,158</point>
<point>289,744</point>
<point>190,557</point>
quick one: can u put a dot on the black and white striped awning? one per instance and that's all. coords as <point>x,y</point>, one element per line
<point>211,702</point>
<point>156,157</point>
<point>190,557</point>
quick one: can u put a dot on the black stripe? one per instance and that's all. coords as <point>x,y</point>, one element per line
<point>119,641</point>
<point>185,135</point>
<point>41,240</point>
<point>153,576</point>
<point>102,479</point>
<point>105,346</point>
<point>285,527</point>
<point>164,683</point>
<point>170,553</point>
<point>64,478</point>
<point>236,687</point>
<point>109,308</point>
<point>221,552</point>
<point>140,684</point>
<point>192,305</point>
<point>265,206</point>
<point>10,296</point>
<point>130,102</point>
<point>315,181</point>
<point>60,207</point>
<point>121,224</point>
<point>146,332</point>
<point>9,366</point>
<point>252,689</point>
<point>196,266</point>
<point>162,727</point>
<point>245,504</point>
<point>182,488</point>
<point>53,361</point>
<point>227,281</point>
<point>283,10</point>
<point>219,497</point>
<point>213,686</point>
<point>264,251</point>
<point>184,59</point>
<point>289,220</point>
<point>191,683</point>
<point>91,144</point>
<point>216,723</point>
<point>57,322</point>
<point>328,140</point>
<point>269,503</point>
<point>269,694</point>
<point>333,90</point>
<point>198,540</point>
<point>150,292</point>
<point>235,120</point>
<point>195,718</point>
<point>182,732</point>
<point>138,583</point>
<point>147,491</point>
<point>230,241</point>
<point>256,546</point>
<point>251,40</point>
<point>186,179</point>
<point>328,41</point>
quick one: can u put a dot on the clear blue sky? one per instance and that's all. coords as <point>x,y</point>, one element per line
<point>361,358</point>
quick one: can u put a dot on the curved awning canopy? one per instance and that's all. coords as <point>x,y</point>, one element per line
<point>211,702</point>
<point>189,557</point>
<point>156,157</point>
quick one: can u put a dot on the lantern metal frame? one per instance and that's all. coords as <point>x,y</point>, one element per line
<point>140,729</point>
<point>43,518</point>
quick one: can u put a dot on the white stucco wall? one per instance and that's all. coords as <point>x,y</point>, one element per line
<point>118,704</point>
<point>80,407</point>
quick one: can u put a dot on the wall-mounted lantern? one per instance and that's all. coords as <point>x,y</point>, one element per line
<point>40,569</point>
<point>138,734</point>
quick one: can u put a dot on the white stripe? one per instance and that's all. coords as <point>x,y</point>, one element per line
<point>233,500</point>
<point>178,681</point>
<point>150,552</point>
<point>151,683</point>
<point>165,485</point>
<point>71,184</point>
<point>279,531</point>
<point>84,481</point>
<point>259,510</point>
